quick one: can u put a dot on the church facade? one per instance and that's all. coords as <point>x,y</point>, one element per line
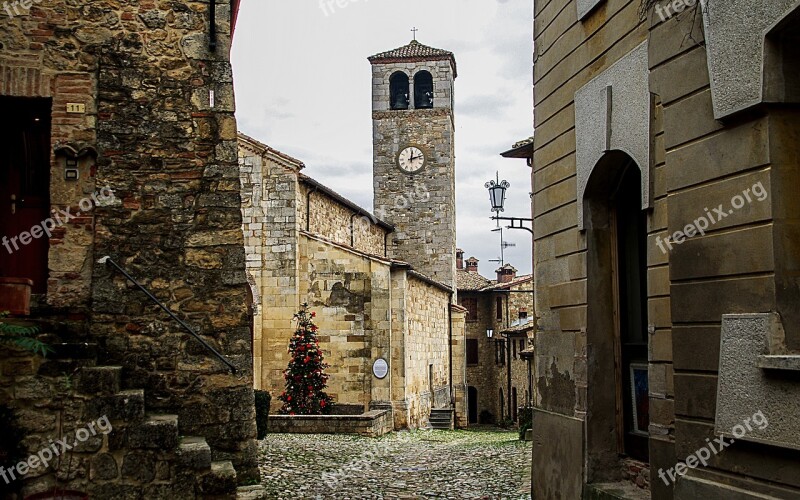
<point>382,284</point>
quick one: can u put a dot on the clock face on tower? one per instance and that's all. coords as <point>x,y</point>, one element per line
<point>411,159</point>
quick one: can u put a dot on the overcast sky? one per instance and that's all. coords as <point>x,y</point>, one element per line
<point>303,86</point>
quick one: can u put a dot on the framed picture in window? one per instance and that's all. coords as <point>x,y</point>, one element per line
<point>640,398</point>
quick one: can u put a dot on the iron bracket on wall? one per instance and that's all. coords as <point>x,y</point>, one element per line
<point>517,223</point>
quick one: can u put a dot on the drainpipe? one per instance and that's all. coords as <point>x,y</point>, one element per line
<point>450,349</point>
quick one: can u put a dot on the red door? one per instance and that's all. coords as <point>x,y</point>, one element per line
<point>24,188</point>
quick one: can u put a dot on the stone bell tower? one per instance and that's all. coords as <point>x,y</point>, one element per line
<point>414,155</point>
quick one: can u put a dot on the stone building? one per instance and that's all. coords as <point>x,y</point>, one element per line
<point>500,326</point>
<point>383,286</point>
<point>307,244</point>
<point>666,248</point>
<point>119,140</point>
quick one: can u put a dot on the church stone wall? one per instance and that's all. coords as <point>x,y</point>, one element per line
<point>339,285</point>
<point>271,231</point>
<point>340,224</point>
<point>427,347</point>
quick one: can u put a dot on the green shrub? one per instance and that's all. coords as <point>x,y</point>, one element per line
<point>263,400</point>
<point>22,337</point>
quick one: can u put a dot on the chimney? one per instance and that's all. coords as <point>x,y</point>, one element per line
<point>459,258</point>
<point>506,274</point>
<point>472,265</point>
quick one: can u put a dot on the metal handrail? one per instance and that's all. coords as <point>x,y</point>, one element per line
<point>109,260</point>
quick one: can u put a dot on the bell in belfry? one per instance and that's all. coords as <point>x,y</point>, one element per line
<point>400,101</point>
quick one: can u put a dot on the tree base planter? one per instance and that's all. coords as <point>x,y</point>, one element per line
<point>374,423</point>
<point>15,296</point>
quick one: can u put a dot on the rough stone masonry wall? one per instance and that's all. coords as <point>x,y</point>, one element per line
<point>340,224</point>
<point>254,228</point>
<point>36,63</point>
<point>272,262</point>
<point>348,292</point>
<point>487,377</point>
<point>170,157</point>
<point>426,344</point>
<point>422,205</point>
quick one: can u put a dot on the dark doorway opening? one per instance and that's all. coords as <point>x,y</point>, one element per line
<point>629,225</point>
<point>25,188</point>
<point>472,411</point>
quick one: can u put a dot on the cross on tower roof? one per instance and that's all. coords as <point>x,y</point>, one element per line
<point>414,30</point>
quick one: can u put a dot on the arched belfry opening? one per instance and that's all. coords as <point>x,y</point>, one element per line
<point>398,90</point>
<point>616,336</point>
<point>423,90</point>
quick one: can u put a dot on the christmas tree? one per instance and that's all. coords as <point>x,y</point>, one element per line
<point>305,376</point>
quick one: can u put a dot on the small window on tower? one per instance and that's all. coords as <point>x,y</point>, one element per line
<point>423,90</point>
<point>398,90</point>
<point>499,307</point>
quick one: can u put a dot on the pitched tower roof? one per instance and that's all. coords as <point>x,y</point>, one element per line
<point>415,52</point>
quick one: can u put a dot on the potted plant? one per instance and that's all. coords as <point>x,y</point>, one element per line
<point>15,295</point>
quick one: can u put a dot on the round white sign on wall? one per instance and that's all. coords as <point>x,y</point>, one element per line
<point>380,368</point>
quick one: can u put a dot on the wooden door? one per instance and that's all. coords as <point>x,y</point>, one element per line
<point>24,188</point>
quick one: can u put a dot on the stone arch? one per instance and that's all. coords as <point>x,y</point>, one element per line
<point>254,293</point>
<point>612,112</point>
<point>604,393</point>
<point>423,90</point>
<point>399,90</point>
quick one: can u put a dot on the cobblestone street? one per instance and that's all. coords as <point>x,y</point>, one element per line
<point>420,464</point>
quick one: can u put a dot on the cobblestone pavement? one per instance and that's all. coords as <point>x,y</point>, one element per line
<point>413,464</point>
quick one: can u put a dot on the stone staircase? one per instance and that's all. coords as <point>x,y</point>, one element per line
<point>143,455</point>
<point>441,419</point>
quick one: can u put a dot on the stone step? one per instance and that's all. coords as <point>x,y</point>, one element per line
<point>220,480</point>
<point>99,380</point>
<point>67,358</point>
<point>615,491</point>
<point>157,431</point>
<point>256,492</point>
<point>124,405</point>
<point>194,453</point>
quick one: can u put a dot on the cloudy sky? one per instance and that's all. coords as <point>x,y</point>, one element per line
<point>303,87</point>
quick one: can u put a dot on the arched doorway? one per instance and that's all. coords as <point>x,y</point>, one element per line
<point>616,239</point>
<point>472,409</point>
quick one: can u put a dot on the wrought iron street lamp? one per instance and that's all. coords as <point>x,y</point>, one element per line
<point>489,333</point>
<point>497,197</point>
<point>497,193</point>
